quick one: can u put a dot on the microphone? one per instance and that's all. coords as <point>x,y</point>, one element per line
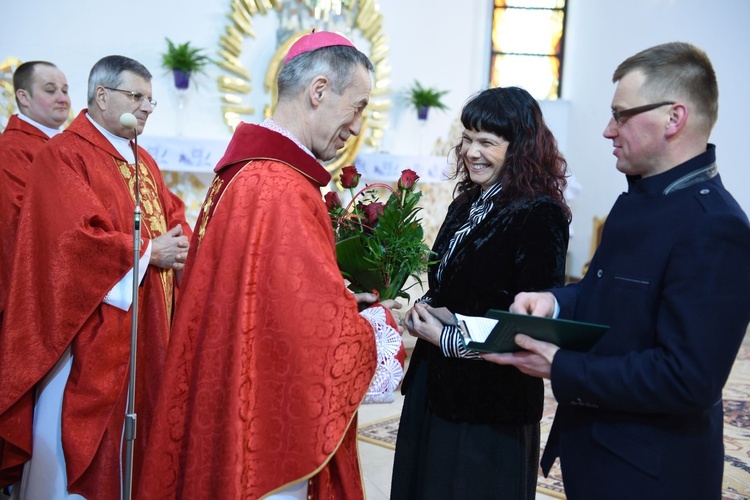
<point>129,121</point>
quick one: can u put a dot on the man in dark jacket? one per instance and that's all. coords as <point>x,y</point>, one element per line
<point>671,278</point>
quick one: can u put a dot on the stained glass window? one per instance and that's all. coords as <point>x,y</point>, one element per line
<point>527,45</point>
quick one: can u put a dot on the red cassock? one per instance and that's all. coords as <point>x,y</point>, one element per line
<point>18,144</point>
<point>75,242</point>
<point>269,357</point>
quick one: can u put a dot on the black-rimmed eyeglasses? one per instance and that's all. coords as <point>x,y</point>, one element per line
<point>627,113</point>
<point>135,96</point>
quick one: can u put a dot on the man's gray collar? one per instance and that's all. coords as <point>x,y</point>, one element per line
<point>694,177</point>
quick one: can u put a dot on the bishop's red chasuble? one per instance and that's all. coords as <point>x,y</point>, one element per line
<point>75,242</point>
<point>18,144</point>
<point>269,357</point>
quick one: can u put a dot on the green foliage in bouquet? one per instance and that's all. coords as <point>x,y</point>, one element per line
<point>378,245</point>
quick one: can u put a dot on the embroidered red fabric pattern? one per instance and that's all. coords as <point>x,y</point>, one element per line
<point>269,358</point>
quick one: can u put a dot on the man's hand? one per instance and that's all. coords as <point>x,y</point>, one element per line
<point>534,303</point>
<point>535,360</point>
<point>170,250</point>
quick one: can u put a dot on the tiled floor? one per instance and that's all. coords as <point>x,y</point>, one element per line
<point>377,461</point>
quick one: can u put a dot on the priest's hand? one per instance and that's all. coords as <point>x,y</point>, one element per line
<point>392,306</point>
<point>535,360</point>
<point>364,299</point>
<point>170,250</point>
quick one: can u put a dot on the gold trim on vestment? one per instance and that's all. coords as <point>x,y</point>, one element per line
<point>207,204</point>
<point>153,218</point>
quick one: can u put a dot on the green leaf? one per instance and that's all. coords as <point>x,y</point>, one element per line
<point>354,265</point>
<point>419,96</point>
<point>382,257</point>
<point>183,57</point>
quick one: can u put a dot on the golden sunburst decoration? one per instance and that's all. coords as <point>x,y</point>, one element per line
<point>323,8</point>
<point>298,17</point>
<point>7,95</point>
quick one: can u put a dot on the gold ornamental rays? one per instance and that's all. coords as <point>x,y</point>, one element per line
<point>235,85</point>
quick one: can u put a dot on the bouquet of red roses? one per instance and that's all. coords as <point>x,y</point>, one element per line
<point>379,245</point>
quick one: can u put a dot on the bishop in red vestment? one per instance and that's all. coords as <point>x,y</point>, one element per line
<point>75,243</point>
<point>269,358</point>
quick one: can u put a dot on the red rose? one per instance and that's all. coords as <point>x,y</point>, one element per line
<point>408,179</point>
<point>372,211</point>
<point>350,177</point>
<point>332,200</point>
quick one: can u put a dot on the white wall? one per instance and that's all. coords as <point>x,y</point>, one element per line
<point>443,46</point>
<point>74,35</point>
<point>445,51</point>
<point>441,43</point>
<point>602,33</point>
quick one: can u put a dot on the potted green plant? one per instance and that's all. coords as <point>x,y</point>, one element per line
<point>423,98</point>
<point>183,60</point>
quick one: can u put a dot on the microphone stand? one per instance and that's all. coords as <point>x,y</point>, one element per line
<point>130,416</point>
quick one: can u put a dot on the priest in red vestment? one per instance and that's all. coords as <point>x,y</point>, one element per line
<point>270,358</point>
<point>43,105</point>
<point>65,344</point>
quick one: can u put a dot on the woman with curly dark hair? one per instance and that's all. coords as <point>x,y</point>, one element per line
<point>470,428</point>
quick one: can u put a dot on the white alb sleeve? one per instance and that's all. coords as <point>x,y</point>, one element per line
<point>389,371</point>
<point>121,295</point>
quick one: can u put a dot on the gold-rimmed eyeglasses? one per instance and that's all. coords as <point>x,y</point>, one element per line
<point>627,113</point>
<point>137,97</point>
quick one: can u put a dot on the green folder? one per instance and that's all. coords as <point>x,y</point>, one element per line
<point>572,335</point>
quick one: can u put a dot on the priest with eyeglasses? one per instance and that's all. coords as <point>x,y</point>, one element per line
<point>65,343</point>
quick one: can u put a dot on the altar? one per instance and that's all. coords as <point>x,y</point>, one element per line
<point>181,154</point>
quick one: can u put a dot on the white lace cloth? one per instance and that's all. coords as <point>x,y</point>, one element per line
<point>389,371</point>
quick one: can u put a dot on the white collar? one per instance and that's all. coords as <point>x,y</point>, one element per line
<point>272,125</point>
<point>121,144</point>
<point>49,131</point>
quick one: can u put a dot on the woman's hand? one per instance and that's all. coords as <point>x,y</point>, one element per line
<point>423,325</point>
<point>443,314</point>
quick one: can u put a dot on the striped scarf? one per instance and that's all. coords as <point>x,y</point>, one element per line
<point>479,210</point>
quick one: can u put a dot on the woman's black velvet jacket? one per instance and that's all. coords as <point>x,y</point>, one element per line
<point>518,247</point>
